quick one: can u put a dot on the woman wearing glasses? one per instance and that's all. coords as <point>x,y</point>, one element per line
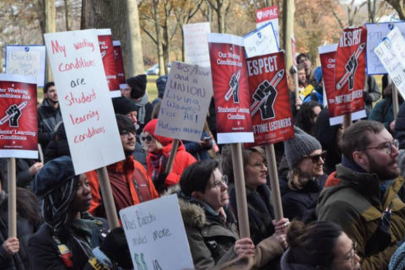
<point>301,185</point>
<point>158,148</point>
<point>261,214</point>
<point>211,226</point>
<point>319,245</point>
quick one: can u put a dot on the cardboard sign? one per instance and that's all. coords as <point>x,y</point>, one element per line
<point>261,41</point>
<point>231,88</point>
<point>270,109</point>
<point>18,117</point>
<point>327,55</point>
<point>84,99</point>
<point>268,15</point>
<point>107,54</point>
<point>350,71</point>
<point>375,34</point>
<point>185,102</point>
<point>119,64</point>
<point>26,61</point>
<point>391,53</point>
<point>156,235</point>
<point>196,43</point>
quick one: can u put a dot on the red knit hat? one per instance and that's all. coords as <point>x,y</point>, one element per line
<point>150,128</point>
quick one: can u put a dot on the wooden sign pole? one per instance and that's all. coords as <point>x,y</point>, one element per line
<point>108,199</point>
<point>12,198</point>
<point>274,184</point>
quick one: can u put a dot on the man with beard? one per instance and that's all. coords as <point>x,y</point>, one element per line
<point>365,201</point>
<point>48,115</point>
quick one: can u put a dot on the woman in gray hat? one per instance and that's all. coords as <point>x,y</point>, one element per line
<point>301,184</point>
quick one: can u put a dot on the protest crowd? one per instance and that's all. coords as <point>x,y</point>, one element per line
<point>316,193</point>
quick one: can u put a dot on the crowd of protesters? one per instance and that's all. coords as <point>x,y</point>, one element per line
<point>341,190</point>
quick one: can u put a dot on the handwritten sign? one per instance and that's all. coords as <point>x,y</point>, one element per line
<point>26,61</point>
<point>119,64</point>
<point>391,53</point>
<point>84,99</point>
<point>185,103</point>
<point>156,235</point>
<point>196,44</point>
<point>261,41</point>
<point>18,116</point>
<point>375,34</point>
<point>107,55</point>
<point>268,15</point>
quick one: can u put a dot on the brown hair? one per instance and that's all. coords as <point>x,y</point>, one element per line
<point>356,136</point>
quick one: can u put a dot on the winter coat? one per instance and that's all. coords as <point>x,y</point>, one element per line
<point>198,151</point>
<point>260,211</point>
<point>286,263</point>
<point>356,204</point>
<point>383,112</point>
<point>212,238</point>
<point>181,161</point>
<point>44,251</point>
<point>297,204</point>
<point>48,118</point>
<point>25,229</point>
<point>371,94</point>
<point>130,185</point>
<point>399,131</point>
<point>24,178</point>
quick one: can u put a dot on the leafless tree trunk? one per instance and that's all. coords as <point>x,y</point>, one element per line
<point>134,63</point>
<point>398,5</point>
<point>67,15</point>
<point>50,27</point>
<point>288,29</point>
<point>220,6</point>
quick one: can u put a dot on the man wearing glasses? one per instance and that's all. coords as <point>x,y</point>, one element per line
<point>365,202</point>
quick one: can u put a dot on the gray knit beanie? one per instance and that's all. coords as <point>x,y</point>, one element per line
<point>300,146</point>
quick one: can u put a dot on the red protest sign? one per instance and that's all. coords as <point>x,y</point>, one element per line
<point>350,70</point>
<point>231,89</point>
<point>107,55</point>
<point>119,64</point>
<point>18,116</point>
<point>270,108</point>
<point>266,14</point>
<point>327,55</point>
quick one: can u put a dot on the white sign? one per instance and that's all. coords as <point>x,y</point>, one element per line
<point>391,53</point>
<point>268,15</point>
<point>375,34</point>
<point>261,41</point>
<point>84,98</point>
<point>185,102</point>
<point>156,235</point>
<point>27,61</point>
<point>196,43</point>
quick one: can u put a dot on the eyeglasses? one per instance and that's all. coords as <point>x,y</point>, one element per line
<point>258,165</point>
<point>350,256</point>
<point>317,158</point>
<point>219,182</point>
<point>146,138</point>
<point>387,146</point>
<point>125,132</point>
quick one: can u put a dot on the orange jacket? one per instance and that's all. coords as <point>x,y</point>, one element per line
<point>129,173</point>
<point>182,160</point>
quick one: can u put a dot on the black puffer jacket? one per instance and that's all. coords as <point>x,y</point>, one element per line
<point>48,118</point>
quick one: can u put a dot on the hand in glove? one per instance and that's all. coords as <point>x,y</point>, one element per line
<point>115,247</point>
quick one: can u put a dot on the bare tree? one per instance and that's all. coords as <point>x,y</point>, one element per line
<point>398,5</point>
<point>220,7</point>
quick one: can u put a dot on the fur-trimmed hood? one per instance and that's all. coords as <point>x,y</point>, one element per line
<point>193,214</point>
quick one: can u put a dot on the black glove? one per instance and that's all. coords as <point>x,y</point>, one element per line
<point>160,182</point>
<point>116,248</point>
